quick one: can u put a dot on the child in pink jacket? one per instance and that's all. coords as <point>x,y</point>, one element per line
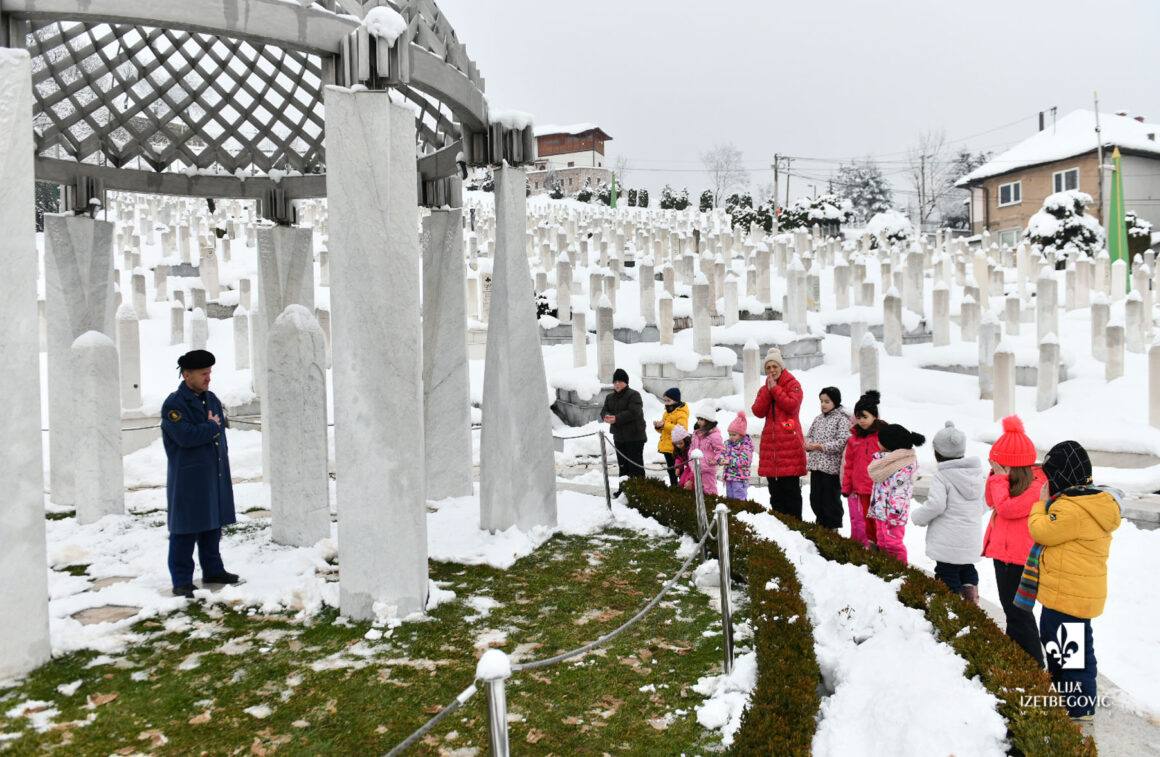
<point>893,472</point>
<point>738,458</point>
<point>706,438</point>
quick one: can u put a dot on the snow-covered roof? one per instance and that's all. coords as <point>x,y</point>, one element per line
<point>574,130</point>
<point>1074,134</point>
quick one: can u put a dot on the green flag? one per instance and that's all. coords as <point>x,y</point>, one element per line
<point>613,202</point>
<point>1117,227</point>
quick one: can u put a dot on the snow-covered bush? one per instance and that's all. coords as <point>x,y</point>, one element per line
<point>585,194</point>
<point>706,201</point>
<point>742,213</point>
<point>1063,227</point>
<point>890,225</point>
<point>671,201</point>
<point>826,210</point>
<point>642,199</point>
<point>632,198</point>
<point>1139,233</point>
<point>604,193</point>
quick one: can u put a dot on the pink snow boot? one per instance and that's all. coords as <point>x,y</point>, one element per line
<point>970,592</point>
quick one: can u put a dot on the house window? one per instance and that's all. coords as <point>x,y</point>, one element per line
<point>1009,237</point>
<point>1010,194</point>
<point>571,164</point>
<point>1065,180</point>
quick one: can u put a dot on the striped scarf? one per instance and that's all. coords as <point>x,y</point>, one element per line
<point>1028,589</point>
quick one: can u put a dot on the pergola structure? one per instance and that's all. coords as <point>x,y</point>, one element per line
<point>224,98</point>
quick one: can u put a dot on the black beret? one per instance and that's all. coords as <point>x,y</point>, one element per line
<point>196,360</point>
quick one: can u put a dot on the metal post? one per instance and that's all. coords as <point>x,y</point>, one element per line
<point>604,465</point>
<point>724,568</point>
<point>494,669</point>
<point>699,496</point>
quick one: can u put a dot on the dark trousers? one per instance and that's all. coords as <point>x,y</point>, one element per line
<point>956,576</point>
<point>181,556</point>
<point>671,464</point>
<point>785,495</point>
<point>826,499</point>
<point>1020,623</point>
<point>630,459</point>
<point>1076,684</point>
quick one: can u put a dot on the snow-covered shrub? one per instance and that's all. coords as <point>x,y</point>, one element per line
<point>642,199</point>
<point>604,193</point>
<point>1063,227</point>
<point>891,225</point>
<point>706,201</point>
<point>585,194</point>
<point>826,210</point>
<point>1139,233</point>
<point>672,201</point>
<point>742,213</point>
<point>632,198</point>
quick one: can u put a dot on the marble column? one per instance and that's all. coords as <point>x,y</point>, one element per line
<point>941,314</point>
<point>517,461</point>
<point>78,274</point>
<point>371,186</point>
<point>764,296</point>
<point>1154,385</point>
<point>1101,313</point>
<point>160,282</point>
<point>1114,366</point>
<point>1004,389</point>
<point>100,478</point>
<point>914,292</point>
<point>24,645</point>
<point>208,269</point>
<point>129,352</point>
<point>751,370</point>
<point>1118,283</point>
<point>892,323</point>
<point>665,319</point>
<point>989,336</point>
<point>1134,323</point>
<point>580,338</point>
<point>730,300</point>
<point>842,285</point>
<point>446,383</point>
<point>868,363</point>
<point>176,323</point>
<point>1047,390</point>
<point>296,396</point>
<point>857,332</point>
<point>198,329</point>
<point>605,344</point>
<point>1012,314</point>
<point>564,288</point>
<point>702,324</point>
<point>648,292</point>
<point>241,321</point>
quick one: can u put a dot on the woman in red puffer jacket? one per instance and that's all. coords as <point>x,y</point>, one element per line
<point>856,482</point>
<point>783,446</point>
<point>1013,487</point>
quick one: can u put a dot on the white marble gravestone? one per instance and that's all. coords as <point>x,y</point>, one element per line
<point>96,422</point>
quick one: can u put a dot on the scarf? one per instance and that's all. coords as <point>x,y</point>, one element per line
<point>885,467</point>
<point>1028,590</point>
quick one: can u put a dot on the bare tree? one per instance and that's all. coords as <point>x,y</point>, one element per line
<point>726,171</point>
<point>621,170</point>
<point>930,172</point>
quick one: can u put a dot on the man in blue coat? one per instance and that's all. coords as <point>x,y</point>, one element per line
<point>199,489</point>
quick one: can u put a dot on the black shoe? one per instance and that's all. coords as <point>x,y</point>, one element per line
<point>221,578</point>
<point>184,591</point>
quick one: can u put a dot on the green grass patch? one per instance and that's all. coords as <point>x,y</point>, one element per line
<point>184,688</point>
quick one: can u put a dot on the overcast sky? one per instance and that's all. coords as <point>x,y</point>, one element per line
<point>846,78</point>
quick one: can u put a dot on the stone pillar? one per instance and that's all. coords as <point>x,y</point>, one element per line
<point>669,276</point>
<point>197,297</point>
<point>100,479</point>
<point>914,289</point>
<point>1046,306</point>
<point>160,282</point>
<point>198,329</point>
<point>605,344</point>
<point>1114,367</point>
<point>665,319</point>
<point>730,300</point>
<point>702,325</point>
<point>868,362</point>
<point>322,315</point>
<point>1101,313</point>
<point>129,352</point>
<point>941,314</point>
<point>580,338</point>
<point>842,285</point>
<point>867,294</point>
<point>989,336</point>
<point>378,357</point>
<point>1070,287</point>
<point>446,384</point>
<point>324,268</point>
<point>140,302</point>
<point>763,284</point>
<point>241,321</point>
<point>296,395</point>
<point>1154,385</point>
<point>648,292</point>
<point>969,319</point>
<point>208,268</point>
<point>244,296</point>
<point>78,274</point>
<point>892,323</point>
<point>1004,391</point>
<point>1047,393</point>
<point>857,332</point>
<point>1134,323</point>
<point>473,298</point>
<point>1012,314</point>
<point>751,370</point>
<point>176,323</point>
<point>517,462</point>
<point>24,645</point>
<point>1118,284</point>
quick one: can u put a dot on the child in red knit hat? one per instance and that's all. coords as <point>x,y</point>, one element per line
<point>737,459</point>
<point>1012,488</point>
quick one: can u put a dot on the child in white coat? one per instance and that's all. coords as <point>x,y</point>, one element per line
<point>953,513</point>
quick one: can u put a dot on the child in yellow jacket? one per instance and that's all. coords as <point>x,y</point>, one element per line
<point>1072,527</point>
<point>676,414</point>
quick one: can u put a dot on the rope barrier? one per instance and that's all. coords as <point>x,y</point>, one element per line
<point>653,468</point>
<point>548,661</point>
<point>424,729</point>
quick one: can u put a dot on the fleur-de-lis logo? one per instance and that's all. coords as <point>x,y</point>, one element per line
<point>1066,651</point>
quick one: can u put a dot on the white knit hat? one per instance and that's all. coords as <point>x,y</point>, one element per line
<point>707,411</point>
<point>773,356</point>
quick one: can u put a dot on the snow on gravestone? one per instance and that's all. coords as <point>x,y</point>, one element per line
<point>296,396</point>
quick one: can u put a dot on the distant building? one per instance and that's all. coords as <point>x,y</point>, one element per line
<point>1010,188</point>
<point>572,154</point>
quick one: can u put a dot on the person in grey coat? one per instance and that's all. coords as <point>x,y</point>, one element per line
<point>953,514</point>
<point>825,451</point>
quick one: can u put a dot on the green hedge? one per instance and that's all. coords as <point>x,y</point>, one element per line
<point>1001,664</point>
<point>782,714</point>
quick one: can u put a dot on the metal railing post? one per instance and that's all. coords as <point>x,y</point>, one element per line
<point>494,669</point>
<point>604,465</point>
<point>724,568</point>
<point>699,497</point>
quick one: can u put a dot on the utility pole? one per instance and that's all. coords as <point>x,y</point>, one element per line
<point>1099,156</point>
<point>788,163</point>
<point>921,190</point>
<point>776,162</point>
